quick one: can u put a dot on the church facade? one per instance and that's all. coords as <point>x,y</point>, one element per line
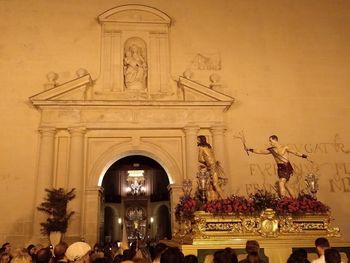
<point>135,79</point>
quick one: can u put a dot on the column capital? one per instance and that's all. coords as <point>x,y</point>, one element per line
<point>94,189</point>
<point>218,129</point>
<point>191,129</point>
<point>77,130</point>
<point>47,130</point>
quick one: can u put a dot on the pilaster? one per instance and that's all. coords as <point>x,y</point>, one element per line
<point>92,214</point>
<point>175,191</point>
<point>191,132</point>
<point>218,135</point>
<point>44,176</point>
<point>76,176</point>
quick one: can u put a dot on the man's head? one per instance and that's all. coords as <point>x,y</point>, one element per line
<point>78,252</point>
<point>43,255</point>
<point>321,245</point>
<point>252,246</point>
<point>60,250</point>
<point>273,139</point>
<point>172,255</point>
<point>332,256</point>
<point>5,257</point>
<point>6,247</point>
<point>31,249</point>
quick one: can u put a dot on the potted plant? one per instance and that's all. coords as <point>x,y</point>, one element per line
<point>55,206</point>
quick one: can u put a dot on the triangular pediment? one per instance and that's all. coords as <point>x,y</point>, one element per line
<point>194,91</point>
<point>75,89</point>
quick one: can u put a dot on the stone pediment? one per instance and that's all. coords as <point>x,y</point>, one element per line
<point>134,14</point>
<point>80,92</point>
<point>76,89</point>
<point>194,91</point>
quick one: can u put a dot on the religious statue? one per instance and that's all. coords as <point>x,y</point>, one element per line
<point>208,161</point>
<point>284,168</point>
<point>135,68</point>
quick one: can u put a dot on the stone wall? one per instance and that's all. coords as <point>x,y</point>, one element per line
<point>285,62</point>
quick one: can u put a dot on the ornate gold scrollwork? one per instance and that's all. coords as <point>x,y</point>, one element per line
<point>212,227</point>
<point>269,224</point>
<point>251,224</point>
<point>287,225</point>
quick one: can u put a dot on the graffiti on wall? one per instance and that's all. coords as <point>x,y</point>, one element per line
<point>335,174</point>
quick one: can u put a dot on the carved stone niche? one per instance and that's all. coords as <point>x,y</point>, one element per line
<point>135,54</point>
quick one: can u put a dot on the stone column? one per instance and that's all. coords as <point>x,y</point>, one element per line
<point>218,133</point>
<point>44,176</point>
<point>175,191</point>
<point>92,214</point>
<point>191,151</point>
<point>76,177</point>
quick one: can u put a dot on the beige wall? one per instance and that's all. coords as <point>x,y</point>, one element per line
<point>285,62</point>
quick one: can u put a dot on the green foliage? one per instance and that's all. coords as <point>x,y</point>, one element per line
<point>55,206</point>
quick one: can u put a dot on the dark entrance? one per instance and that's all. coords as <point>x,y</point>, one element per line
<point>136,201</point>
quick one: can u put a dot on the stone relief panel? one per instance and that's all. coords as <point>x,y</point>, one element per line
<point>135,64</point>
<point>210,61</point>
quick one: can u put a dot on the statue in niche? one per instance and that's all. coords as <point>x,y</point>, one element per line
<point>135,65</point>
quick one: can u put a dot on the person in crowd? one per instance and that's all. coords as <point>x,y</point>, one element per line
<point>6,247</point>
<point>44,255</point>
<point>298,256</point>
<point>31,249</point>
<point>79,252</point>
<point>232,254</point>
<point>101,260</point>
<point>118,258</point>
<point>222,256</point>
<point>252,248</point>
<point>60,252</point>
<point>172,255</point>
<point>5,257</point>
<point>190,259</point>
<point>21,256</point>
<point>321,244</point>
<point>157,252</point>
<point>128,254</point>
<point>332,255</point>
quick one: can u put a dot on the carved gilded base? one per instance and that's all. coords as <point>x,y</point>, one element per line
<point>208,228</point>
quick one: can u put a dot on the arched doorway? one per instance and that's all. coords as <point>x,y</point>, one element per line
<point>135,194</point>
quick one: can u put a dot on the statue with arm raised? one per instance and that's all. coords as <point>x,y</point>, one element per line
<point>284,168</point>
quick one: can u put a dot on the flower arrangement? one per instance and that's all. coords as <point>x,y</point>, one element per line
<point>186,207</point>
<point>253,204</point>
<point>303,204</point>
<point>263,199</point>
<point>233,204</point>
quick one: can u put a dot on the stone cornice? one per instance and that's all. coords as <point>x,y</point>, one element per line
<point>87,103</point>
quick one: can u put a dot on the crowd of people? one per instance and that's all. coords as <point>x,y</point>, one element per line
<point>138,252</point>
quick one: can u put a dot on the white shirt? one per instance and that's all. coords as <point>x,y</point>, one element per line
<point>321,259</point>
